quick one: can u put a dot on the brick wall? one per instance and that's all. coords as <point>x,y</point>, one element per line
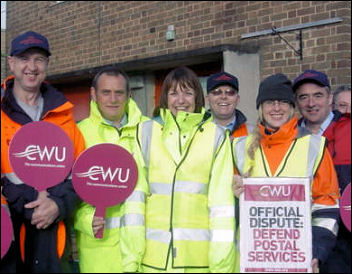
<point>95,33</point>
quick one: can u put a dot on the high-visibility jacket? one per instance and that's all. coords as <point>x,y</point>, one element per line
<point>338,135</point>
<point>241,128</point>
<point>286,154</point>
<point>190,206</point>
<point>40,249</point>
<point>122,247</point>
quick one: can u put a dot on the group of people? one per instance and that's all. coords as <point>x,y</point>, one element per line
<point>183,213</point>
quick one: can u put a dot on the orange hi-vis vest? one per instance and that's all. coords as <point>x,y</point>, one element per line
<point>60,116</point>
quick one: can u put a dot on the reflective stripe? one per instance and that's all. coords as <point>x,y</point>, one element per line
<point>240,152</point>
<point>6,207</point>
<point>190,234</point>
<point>13,178</point>
<point>147,128</point>
<point>160,188</point>
<point>326,223</point>
<point>191,187</point>
<point>136,196</point>
<point>69,177</point>
<point>222,211</point>
<point>132,220</point>
<point>314,148</point>
<point>180,186</point>
<point>125,220</point>
<point>222,235</point>
<point>158,235</point>
<point>112,222</point>
<point>218,138</point>
<point>316,207</point>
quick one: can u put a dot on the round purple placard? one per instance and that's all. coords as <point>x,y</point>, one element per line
<point>104,175</point>
<point>345,207</point>
<point>6,231</point>
<point>41,154</point>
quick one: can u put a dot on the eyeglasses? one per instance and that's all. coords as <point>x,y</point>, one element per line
<point>229,92</point>
<point>281,103</point>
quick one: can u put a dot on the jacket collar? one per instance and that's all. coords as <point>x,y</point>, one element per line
<point>184,120</point>
<point>133,113</point>
<point>240,120</point>
<point>286,133</point>
<point>53,99</point>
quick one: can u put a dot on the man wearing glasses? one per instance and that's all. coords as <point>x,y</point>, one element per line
<point>223,98</point>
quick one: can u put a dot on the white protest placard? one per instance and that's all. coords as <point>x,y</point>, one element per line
<point>275,225</point>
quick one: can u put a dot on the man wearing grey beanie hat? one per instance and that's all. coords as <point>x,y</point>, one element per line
<point>278,148</point>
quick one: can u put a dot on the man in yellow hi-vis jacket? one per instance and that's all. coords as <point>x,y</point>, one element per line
<point>113,118</point>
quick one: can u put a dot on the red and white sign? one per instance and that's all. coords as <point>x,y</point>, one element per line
<point>275,225</point>
<point>345,207</point>
<point>104,175</point>
<point>41,154</point>
<point>6,231</point>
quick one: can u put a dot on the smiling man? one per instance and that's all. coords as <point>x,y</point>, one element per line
<point>314,100</point>
<point>223,99</point>
<point>28,98</point>
<point>114,117</point>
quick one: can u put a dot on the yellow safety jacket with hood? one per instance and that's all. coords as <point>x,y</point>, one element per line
<point>190,207</point>
<point>122,247</point>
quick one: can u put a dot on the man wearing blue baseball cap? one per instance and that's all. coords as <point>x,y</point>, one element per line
<point>314,101</point>
<point>38,217</point>
<point>223,98</point>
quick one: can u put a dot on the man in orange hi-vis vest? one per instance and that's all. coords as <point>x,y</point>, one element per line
<point>37,217</point>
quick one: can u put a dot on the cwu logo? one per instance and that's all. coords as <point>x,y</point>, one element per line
<point>95,171</point>
<point>275,191</point>
<point>33,152</point>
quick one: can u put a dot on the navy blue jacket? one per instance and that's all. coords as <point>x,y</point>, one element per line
<point>40,244</point>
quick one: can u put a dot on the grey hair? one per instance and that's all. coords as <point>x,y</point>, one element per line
<point>339,90</point>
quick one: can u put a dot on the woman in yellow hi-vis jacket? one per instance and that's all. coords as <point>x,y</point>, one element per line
<point>279,148</point>
<point>190,207</point>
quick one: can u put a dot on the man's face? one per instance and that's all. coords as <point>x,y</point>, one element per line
<point>313,102</point>
<point>343,102</point>
<point>223,101</point>
<point>29,69</point>
<point>111,96</point>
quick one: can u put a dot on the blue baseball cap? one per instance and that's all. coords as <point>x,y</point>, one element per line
<point>27,40</point>
<point>221,78</point>
<point>309,76</point>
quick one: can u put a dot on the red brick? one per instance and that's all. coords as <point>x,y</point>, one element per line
<point>73,31</point>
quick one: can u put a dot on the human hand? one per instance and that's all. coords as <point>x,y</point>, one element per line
<point>45,211</point>
<point>315,265</point>
<point>237,185</point>
<point>97,224</point>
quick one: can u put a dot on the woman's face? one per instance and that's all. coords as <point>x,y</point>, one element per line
<point>181,99</point>
<point>276,113</point>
